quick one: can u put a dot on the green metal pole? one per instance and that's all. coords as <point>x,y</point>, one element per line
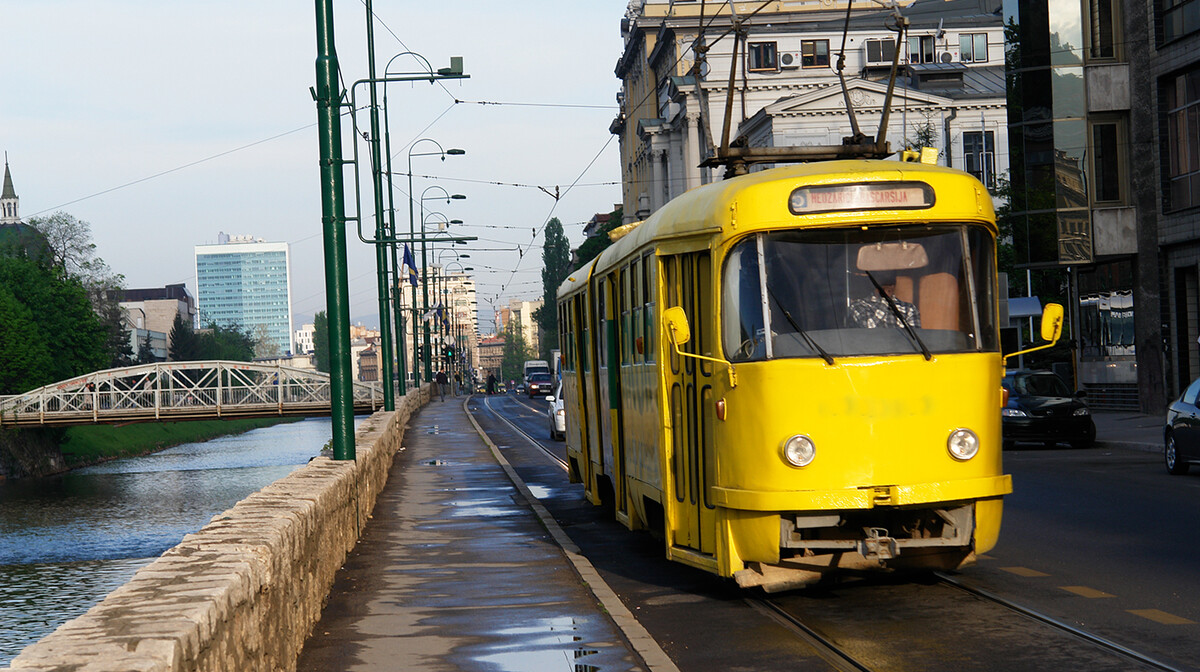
<point>381,259</point>
<point>425,296</point>
<point>397,295</point>
<point>333,217</point>
<point>412,235</point>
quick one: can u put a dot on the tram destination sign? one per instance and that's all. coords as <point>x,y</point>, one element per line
<point>871,196</point>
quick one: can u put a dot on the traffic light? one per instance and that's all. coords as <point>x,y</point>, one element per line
<point>449,352</point>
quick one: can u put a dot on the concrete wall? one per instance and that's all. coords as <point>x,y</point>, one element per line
<point>244,592</point>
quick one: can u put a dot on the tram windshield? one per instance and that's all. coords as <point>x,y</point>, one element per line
<point>860,291</point>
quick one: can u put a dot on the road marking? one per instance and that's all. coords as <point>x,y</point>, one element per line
<point>1024,571</point>
<point>1159,616</point>
<point>1084,591</point>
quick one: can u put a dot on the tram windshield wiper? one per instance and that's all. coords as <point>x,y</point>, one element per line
<point>900,316</point>
<point>803,334</point>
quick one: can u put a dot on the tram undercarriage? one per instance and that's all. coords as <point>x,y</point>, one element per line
<point>815,544</point>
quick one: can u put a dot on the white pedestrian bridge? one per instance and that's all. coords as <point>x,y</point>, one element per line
<point>180,391</point>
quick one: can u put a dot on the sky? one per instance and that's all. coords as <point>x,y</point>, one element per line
<point>163,124</point>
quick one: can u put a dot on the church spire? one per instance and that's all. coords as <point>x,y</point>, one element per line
<point>8,199</point>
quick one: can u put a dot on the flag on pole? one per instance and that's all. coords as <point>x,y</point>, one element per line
<point>411,265</point>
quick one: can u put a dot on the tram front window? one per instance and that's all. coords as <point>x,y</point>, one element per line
<point>860,291</point>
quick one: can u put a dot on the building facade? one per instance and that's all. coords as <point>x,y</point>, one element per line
<point>155,308</point>
<point>245,282</point>
<point>1104,97</point>
<point>675,109</point>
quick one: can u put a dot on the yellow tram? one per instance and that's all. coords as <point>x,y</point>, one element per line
<point>796,371</point>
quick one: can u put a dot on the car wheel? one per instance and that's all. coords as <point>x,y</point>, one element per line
<point>1174,464</point>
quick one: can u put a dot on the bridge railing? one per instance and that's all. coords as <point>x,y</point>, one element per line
<point>180,389</point>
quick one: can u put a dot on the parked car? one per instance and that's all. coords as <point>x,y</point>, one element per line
<point>1041,408</point>
<point>539,385</point>
<point>557,415</point>
<point>1181,435</point>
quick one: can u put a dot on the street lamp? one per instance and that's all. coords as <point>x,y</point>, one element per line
<point>443,153</point>
<point>425,265</point>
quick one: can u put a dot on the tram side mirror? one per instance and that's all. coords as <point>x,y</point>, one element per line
<point>1052,324</point>
<point>676,323</point>
<point>1052,319</point>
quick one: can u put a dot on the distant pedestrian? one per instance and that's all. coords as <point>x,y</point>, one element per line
<point>457,383</point>
<point>491,383</point>
<point>441,384</point>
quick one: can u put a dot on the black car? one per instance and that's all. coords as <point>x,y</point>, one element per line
<point>1181,436</point>
<point>539,384</point>
<point>1042,409</point>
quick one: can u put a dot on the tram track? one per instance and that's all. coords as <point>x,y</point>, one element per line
<point>1101,642</point>
<point>867,633</point>
<point>487,403</point>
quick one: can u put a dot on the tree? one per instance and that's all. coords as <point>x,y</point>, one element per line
<point>265,347</point>
<point>73,255</point>
<point>321,342</point>
<point>592,247</point>
<point>516,353</point>
<point>60,310</point>
<point>184,346</point>
<point>556,266</point>
<point>24,356</point>
<point>230,343</point>
<point>145,353</point>
<point>70,243</point>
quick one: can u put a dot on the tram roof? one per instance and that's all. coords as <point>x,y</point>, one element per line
<point>762,197</point>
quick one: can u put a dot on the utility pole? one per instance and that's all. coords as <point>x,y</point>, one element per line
<point>328,97</point>
<point>381,257</point>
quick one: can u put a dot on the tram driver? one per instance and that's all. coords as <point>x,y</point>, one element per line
<point>873,310</point>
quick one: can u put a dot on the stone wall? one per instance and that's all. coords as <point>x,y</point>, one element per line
<point>30,452</point>
<point>244,592</point>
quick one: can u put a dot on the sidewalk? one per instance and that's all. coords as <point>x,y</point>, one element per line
<point>456,572</point>
<point>1130,430</point>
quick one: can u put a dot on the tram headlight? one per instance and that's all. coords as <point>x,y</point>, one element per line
<point>799,451</point>
<point>962,444</point>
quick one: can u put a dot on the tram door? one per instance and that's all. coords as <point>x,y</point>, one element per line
<point>616,300</point>
<point>607,401</point>
<point>687,280</point>
<point>580,357</point>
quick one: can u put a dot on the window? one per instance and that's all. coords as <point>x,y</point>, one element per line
<point>1179,18</point>
<point>1108,161</point>
<point>1183,140</point>
<point>763,56</point>
<point>880,51</point>
<point>1101,29</point>
<point>979,156</point>
<point>814,53</point>
<point>972,48</point>
<point>920,49</point>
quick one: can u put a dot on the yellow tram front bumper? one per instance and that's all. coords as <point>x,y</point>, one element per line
<point>914,494</point>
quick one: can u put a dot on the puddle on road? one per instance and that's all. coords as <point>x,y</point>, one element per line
<point>550,645</point>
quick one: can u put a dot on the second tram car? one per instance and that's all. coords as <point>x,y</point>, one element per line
<point>796,371</point>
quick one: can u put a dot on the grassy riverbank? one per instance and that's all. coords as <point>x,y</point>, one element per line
<point>90,444</point>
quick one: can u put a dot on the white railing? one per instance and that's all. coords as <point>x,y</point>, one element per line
<point>179,390</point>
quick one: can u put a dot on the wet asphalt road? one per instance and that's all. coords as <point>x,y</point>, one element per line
<point>1099,539</point>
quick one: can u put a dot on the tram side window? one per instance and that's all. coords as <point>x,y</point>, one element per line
<point>636,301</point>
<point>649,289</point>
<point>742,304</point>
<point>601,326</point>
<point>623,304</point>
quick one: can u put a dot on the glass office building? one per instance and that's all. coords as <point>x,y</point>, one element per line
<point>244,282</point>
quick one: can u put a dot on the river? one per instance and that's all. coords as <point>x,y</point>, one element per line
<point>69,540</point>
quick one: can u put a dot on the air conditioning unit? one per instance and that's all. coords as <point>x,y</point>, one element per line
<point>789,60</point>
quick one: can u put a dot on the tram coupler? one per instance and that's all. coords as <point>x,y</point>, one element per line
<point>878,545</point>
